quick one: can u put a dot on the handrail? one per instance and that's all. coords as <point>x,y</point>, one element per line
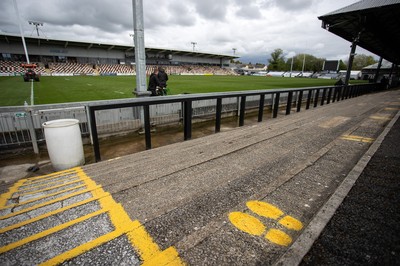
<point>329,94</point>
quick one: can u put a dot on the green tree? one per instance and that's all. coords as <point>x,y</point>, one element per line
<point>276,62</point>
<point>342,65</point>
<point>360,61</point>
<point>311,63</point>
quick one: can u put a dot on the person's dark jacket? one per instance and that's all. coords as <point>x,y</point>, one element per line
<point>153,84</point>
<point>162,78</point>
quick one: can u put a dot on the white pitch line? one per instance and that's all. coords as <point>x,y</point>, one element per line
<point>32,96</point>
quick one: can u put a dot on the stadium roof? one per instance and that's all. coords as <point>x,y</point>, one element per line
<point>377,20</point>
<point>8,38</point>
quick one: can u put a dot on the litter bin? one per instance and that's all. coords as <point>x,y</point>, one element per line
<point>64,143</point>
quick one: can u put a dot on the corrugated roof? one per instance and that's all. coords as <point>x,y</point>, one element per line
<point>375,23</point>
<point>363,5</point>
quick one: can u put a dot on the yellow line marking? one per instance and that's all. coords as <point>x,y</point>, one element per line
<point>50,231</point>
<point>391,109</point>
<point>380,118</point>
<point>8,195</point>
<point>75,252</point>
<point>37,199</point>
<point>38,179</point>
<point>357,138</point>
<point>140,240</point>
<point>137,236</point>
<point>46,203</point>
<point>168,257</point>
<point>43,216</point>
<point>48,184</point>
<point>49,188</point>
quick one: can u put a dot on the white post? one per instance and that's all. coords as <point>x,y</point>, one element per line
<point>140,54</point>
<point>291,67</point>
<point>21,31</point>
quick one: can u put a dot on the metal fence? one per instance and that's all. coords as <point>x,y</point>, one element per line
<point>292,97</point>
<point>22,125</point>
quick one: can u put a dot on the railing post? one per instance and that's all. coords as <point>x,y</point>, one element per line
<point>32,131</point>
<point>323,96</point>
<point>261,107</point>
<point>95,137</point>
<point>218,115</point>
<point>242,110</point>
<point>299,101</point>
<point>289,102</point>
<point>352,92</point>
<point>147,128</point>
<point>339,93</point>
<point>187,120</point>
<point>309,99</point>
<point>276,105</point>
<point>316,98</point>
<point>335,92</point>
<point>329,95</point>
<point>344,91</point>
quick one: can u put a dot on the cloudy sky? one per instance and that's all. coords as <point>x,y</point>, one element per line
<point>254,27</point>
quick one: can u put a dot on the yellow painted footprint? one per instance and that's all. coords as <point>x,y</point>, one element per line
<point>252,225</point>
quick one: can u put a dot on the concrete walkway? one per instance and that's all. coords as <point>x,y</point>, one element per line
<point>241,197</point>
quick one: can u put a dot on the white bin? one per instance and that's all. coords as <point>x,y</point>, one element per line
<point>64,143</point>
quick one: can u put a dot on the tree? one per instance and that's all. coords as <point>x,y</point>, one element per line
<point>276,62</point>
<point>311,63</point>
<point>342,65</point>
<point>361,60</point>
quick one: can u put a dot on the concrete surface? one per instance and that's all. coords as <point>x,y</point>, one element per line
<point>241,197</point>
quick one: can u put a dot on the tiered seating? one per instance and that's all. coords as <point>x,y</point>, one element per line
<point>10,67</point>
<point>120,69</point>
<point>71,68</point>
<point>192,70</point>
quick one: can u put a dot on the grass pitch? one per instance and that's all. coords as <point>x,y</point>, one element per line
<point>14,91</point>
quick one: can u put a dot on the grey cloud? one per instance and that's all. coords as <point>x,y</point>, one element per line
<point>105,15</point>
<point>249,12</point>
<point>211,9</point>
<point>289,5</point>
<point>182,15</point>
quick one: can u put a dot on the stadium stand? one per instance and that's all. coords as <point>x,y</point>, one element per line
<point>117,69</point>
<point>71,68</point>
<point>12,67</point>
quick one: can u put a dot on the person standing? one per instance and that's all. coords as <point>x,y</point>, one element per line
<point>154,83</point>
<point>163,78</point>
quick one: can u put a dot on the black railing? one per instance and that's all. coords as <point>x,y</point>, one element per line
<point>329,94</point>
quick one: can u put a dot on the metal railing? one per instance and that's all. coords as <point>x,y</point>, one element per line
<point>312,95</point>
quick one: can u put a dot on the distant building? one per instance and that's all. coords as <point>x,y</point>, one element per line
<point>390,71</point>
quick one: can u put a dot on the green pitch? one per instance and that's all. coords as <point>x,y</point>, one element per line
<point>14,91</point>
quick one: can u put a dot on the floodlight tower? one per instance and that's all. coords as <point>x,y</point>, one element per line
<point>21,31</point>
<point>36,25</point>
<point>194,45</point>
<point>140,55</point>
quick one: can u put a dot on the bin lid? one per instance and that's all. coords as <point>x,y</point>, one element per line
<point>61,123</point>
